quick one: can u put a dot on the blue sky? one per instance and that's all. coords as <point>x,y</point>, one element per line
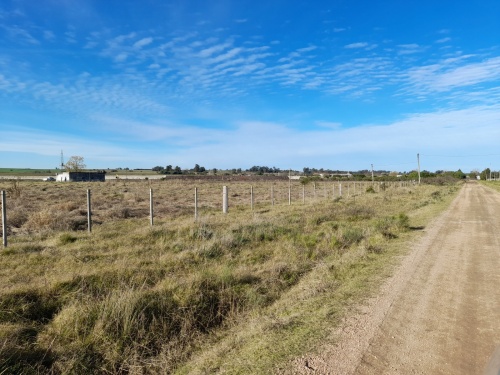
<point>232,84</point>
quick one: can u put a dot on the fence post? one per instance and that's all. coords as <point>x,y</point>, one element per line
<point>251,197</point>
<point>4,219</point>
<point>89,212</point>
<point>225,204</point>
<point>195,204</point>
<point>151,206</point>
<point>290,193</point>
<point>314,190</point>
<point>333,190</point>
<point>340,189</point>
<point>272,195</point>
<point>303,194</point>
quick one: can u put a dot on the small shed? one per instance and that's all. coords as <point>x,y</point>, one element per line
<point>99,176</point>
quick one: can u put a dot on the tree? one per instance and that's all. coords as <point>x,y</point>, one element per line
<point>485,175</point>
<point>459,174</point>
<point>75,164</point>
<point>473,174</point>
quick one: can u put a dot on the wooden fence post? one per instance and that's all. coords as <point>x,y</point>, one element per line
<point>4,219</point>
<point>303,194</point>
<point>251,198</point>
<point>89,212</point>
<point>151,215</point>
<point>272,195</point>
<point>195,204</point>
<point>225,204</point>
<point>290,193</point>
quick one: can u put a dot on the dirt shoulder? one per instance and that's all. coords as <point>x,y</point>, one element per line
<point>438,313</point>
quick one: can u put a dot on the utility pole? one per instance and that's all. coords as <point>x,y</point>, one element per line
<point>418,162</point>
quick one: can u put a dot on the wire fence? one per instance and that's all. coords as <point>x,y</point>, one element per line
<point>29,207</point>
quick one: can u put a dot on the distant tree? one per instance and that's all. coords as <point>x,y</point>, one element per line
<point>177,170</point>
<point>158,169</point>
<point>473,174</point>
<point>459,174</point>
<point>75,164</point>
<point>168,169</point>
<point>485,174</point>
<point>198,169</point>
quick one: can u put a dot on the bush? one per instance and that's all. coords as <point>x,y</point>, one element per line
<point>350,236</point>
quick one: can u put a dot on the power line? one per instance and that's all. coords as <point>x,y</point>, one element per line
<point>460,156</point>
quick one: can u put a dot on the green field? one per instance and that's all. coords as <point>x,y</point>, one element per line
<point>27,172</point>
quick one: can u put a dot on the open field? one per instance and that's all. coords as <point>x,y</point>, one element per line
<point>237,293</point>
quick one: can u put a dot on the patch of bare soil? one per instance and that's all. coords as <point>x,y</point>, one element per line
<point>440,311</point>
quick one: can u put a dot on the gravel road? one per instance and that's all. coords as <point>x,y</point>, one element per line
<point>440,311</point>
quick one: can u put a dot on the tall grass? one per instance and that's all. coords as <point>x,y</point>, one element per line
<point>187,296</point>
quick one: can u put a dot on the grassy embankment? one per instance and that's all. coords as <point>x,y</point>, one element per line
<point>492,184</point>
<point>240,293</point>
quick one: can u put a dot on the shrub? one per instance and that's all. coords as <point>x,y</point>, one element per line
<point>66,238</point>
<point>350,236</point>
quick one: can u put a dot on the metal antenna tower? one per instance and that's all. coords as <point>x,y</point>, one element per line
<point>62,160</point>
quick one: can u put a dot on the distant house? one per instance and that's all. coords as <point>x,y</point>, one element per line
<point>81,176</point>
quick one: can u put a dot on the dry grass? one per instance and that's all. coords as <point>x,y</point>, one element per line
<point>184,296</point>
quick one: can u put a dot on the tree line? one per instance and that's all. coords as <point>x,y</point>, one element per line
<point>308,171</point>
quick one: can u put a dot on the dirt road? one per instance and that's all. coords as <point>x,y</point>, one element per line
<point>439,313</point>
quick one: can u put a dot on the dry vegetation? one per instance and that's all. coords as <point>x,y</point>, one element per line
<point>236,293</point>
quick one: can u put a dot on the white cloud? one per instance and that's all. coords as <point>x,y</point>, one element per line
<point>356,45</point>
<point>20,34</point>
<point>207,52</point>
<point>446,76</point>
<point>143,42</point>
<point>470,131</point>
<point>121,57</point>
<point>407,49</point>
<point>443,40</point>
<point>307,49</point>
